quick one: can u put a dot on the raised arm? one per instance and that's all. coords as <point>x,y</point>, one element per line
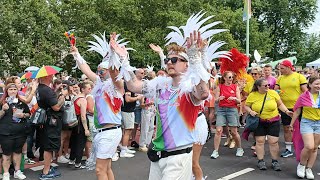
<point>82,64</point>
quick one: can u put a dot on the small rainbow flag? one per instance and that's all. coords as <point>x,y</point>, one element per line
<point>247,10</point>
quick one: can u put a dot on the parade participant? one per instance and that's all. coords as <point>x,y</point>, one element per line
<point>108,99</point>
<point>267,69</point>
<point>178,99</point>
<point>265,103</point>
<point>308,105</point>
<point>290,85</point>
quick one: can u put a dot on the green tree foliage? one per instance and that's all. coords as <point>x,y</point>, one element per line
<point>33,30</point>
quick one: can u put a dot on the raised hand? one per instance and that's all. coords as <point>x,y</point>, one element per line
<point>121,51</point>
<point>196,40</point>
<point>156,48</point>
<point>73,49</point>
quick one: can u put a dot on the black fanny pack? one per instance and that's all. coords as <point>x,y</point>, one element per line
<point>155,156</point>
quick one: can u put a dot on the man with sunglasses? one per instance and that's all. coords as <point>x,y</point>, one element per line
<point>102,71</point>
<point>291,84</point>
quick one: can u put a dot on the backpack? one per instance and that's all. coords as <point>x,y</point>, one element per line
<point>69,117</point>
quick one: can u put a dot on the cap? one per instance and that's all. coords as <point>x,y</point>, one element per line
<point>287,63</point>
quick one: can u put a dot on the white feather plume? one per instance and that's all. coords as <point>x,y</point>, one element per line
<point>149,68</point>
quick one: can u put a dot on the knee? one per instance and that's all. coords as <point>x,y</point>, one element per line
<point>234,132</point>
<point>218,132</point>
<point>309,148</point>
<point>273,143</point>
<point>100,171</point>
<point>259,142</point>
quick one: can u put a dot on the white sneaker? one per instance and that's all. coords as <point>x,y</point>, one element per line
<point>29,161</point>
<point>214,154</point>
<point>19,175</point>
<point>63,160</point>
<point>72,162</point>
<point>309,174</point>
<point>6,176</point>
<point>301,170</point>
<point>126,155</point>
<point>67,156</point>
<point>130,151</point>
<point>1,176</point>
<point>143,149</point>
<point>239,152</point>
<point>37,153</point>
<point>115,157</point>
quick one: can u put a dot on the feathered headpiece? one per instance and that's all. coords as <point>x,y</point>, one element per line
<point>103,47</point>
<point>238,64</point>
<point>197,71</point>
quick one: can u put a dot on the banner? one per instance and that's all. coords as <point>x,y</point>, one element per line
<point>247,10</point>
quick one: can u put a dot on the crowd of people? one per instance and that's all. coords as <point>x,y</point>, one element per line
<point>169,114</point>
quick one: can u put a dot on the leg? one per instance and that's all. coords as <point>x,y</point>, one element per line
<point>47,161</point>
<point>81,143</point>
<point>196,169</point>
<point>17,160</point>
<point>74,144</point>
<point>150,129</point>
<point>109,170</point>
<point>67,142</point>
<point>63,138</point>
<point>273,147</point>
<point>102,169</point>
<point>6,163</point>
<point>260,140</point>
<point>144,127</point>
<point>88,148</point>
<point>217,138</point>
<point>313,154</point>
<point>235,136</point>
<point>308,140</point>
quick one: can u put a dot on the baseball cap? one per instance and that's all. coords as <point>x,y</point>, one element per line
<point>287,63</point>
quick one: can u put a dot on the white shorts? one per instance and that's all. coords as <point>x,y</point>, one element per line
<point>177,167</point>
<point>201,130</point>
<point>127,120</point>
<point>106,143</point>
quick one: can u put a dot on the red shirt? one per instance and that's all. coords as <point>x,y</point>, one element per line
<point>228,91</point>
<point>77,107</point>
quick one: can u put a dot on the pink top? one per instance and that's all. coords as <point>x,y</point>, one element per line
<point>272,81</point>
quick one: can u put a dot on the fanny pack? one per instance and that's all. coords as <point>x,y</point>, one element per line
<point>155,156</point>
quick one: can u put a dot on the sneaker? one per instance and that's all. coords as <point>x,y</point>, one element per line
<point>130,151</point>
<point>1,176</point>
<point>143,149</point>
<point>79,166</point>
<point>63,160</point>
<point>262,165</point>
<point>286,153</point>
<point>29,161</point>
<point>239,152</point>
<point>276,166</point>
<point>51,175</point>
<point>227,143</point>
<point>67,156</point>
<point>71,162</point>
<point>115,157</point>
<point>126,155</point>
<point>232,144</point>
<point>134,144</point>
<point>6,176</point>
<point>19,175</point>
<point>253,147</point>
<point>214,154</point>
<point>37,153</point>
<point>301,171</point>
<point>309,173</point>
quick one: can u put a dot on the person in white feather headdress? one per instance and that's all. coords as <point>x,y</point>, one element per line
<point>108,96</point>
<point>179,97</point>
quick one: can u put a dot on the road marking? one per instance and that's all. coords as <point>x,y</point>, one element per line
<point>236,174</point>
<point>38,168</point>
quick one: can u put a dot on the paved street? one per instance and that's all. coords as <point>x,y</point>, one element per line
<point>225,167</point>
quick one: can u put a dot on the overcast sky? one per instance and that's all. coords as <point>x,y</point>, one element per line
<point>315,27</point>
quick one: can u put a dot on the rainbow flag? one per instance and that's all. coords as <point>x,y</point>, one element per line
<point>247,10</point>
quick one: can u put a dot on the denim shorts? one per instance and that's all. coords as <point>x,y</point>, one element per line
<point>137,116</point>
<point>308,126</point>
<point>227,117</point>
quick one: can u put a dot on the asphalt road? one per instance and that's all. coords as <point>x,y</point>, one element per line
<point>137,168</point>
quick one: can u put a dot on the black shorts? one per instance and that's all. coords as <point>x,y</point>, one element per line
<point>10,144</point>
<point>266,128</point>
<point>286,120</point>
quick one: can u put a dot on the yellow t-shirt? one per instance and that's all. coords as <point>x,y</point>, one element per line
<point>248,87</point>
<point>290,88</point>
<point>270,109</point>
<point>310,112</point>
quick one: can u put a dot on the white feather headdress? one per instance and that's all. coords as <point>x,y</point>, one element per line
<point>102,46</point>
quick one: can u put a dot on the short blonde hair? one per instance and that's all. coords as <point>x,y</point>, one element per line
<point>257,69</point>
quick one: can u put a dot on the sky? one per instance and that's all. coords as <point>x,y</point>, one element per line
<point>315,27</point>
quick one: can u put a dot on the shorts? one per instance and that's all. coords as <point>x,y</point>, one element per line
<point>137,116</point>
<point>201,130</point>
<point>286,120</point>
<point>106,142</point>
<point>265,128</point>
<point>51,138</point>
<point>11,144</point>
<point>308,126</point>
<point>227,117</point>
<point>127,120</point>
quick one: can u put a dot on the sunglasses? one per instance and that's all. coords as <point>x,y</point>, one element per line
<point>254,74</point>
<point>267,85</point>
<point>173,60</point>
<point>230,77</point>
<point>101,72</point>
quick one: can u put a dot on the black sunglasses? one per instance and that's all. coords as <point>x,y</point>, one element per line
<point>173,60</point>
<point>254,73</point>
<point>267,85</point>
